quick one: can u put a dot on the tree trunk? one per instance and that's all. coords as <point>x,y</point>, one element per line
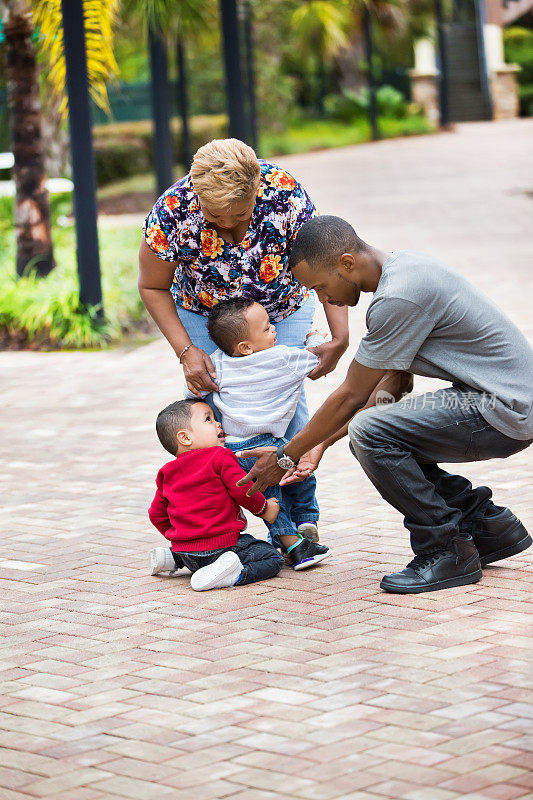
<point>348,60</point>
<point>160,110</point>
<point>56,145</point>
<point>32,208</point>
<point>183,102</point>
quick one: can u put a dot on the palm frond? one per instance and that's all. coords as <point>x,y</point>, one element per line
<point>322,24</point>
<point>185,17</point>
<point>100,19</point>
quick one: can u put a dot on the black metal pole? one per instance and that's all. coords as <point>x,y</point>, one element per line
<point>250,72</point>
<point>443,65</point>
<point>160,109</point>
<point>183,102</point>
<point>81,148</point>
<point>482,57</point>
<point>232,64</point>
<point>372,104</point>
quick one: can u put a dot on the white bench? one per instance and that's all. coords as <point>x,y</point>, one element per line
<point>54,185</point>
<point>7,160</point>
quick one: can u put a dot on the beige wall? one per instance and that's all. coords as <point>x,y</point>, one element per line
<point>495,13</point>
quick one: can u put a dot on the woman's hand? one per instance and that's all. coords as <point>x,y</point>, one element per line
<point>199,371</point>
<point>329,354</point>
<point>305,466</point>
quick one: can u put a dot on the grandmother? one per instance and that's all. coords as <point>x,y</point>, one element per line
<point>226,230</point>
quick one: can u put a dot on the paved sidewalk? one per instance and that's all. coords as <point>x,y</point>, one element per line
<point>314,685</point>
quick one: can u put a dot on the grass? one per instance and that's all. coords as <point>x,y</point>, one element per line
<point>45,312</point>
<point>310,135</point>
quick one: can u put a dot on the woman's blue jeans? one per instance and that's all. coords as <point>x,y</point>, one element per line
<point>297,501</point>
<point>290,331</point>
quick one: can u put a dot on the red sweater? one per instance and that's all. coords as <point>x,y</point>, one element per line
<point>197,502</point>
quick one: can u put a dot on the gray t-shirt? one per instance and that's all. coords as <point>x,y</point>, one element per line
<point>427,319</point>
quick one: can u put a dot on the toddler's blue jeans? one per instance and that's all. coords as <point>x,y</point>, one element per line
<point>297,501</point>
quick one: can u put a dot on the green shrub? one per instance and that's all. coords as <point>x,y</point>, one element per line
<point>123,149</point>
<point>518,46</point>
<point>116,159</point>
<point>347,106</point>
<point>46,312</point>
<point>391,103</point>
<point>350,106</point>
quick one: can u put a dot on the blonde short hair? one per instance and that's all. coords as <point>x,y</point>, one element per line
<point>225,171</point>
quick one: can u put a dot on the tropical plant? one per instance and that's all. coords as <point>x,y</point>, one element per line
<point>329,35</point>
<point>321,28</point>
<point>100,20</point>
<point>518,44</point>
<point>180,22</point>
<point>21,20</point>
<point>390,17</point>
<point>32,208</point>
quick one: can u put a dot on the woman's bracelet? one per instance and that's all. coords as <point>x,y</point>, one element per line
<point>184,351</point>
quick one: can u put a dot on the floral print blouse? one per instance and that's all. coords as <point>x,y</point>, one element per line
<point>210,269</point>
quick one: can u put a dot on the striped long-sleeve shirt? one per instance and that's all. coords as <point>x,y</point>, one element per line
<point>259,393</point>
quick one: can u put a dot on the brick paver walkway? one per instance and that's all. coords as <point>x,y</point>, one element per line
<point>315,685</point>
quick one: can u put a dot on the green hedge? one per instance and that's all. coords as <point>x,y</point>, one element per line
<point>123,149</point>
<point>518,44</point>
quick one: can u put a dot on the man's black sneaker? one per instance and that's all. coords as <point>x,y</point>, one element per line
<point>499,535</point>
<point>306,553</point>
<point>443,569</point>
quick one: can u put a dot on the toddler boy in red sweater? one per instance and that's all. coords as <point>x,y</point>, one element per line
<point>197,505</point>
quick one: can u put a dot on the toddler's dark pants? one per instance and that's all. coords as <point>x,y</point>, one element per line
<point>259,559</point>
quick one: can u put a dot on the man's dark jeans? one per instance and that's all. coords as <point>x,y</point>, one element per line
<point>259,559</point>
<point>400,445</point>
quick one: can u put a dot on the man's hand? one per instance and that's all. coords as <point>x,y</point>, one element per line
<point>199,371</point>
<point>272,510</point>
<point>305,466</point>
<point>265,472</point>
<point>329,354</point>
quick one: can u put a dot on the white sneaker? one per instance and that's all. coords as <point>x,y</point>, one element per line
<point>161,560</point>
<point>219,575</point>
<point>308,530</point>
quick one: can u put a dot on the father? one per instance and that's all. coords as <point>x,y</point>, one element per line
<point>426,319</point>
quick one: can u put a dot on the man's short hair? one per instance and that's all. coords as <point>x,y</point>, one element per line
<point>321,241</point>
<point>226,323</point>
<point>175,417</point>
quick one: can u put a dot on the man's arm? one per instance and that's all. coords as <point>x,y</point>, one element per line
<point>395,383</point>
<point>330,352</point>
<point>332,415</point>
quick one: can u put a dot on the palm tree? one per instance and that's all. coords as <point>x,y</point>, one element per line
<point>178,22</point>
<point>321,28</point>
<point>32,208</point>
<point>100,20</point>
<point>390,15</point>
<point>21,19</point>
